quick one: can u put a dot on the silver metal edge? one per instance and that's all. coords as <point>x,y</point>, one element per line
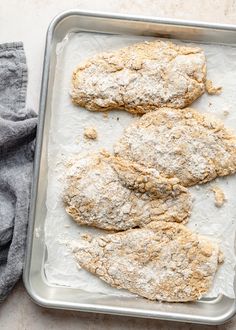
<point>36,166</point>
<point>150,19</point>
<point>42,105</point>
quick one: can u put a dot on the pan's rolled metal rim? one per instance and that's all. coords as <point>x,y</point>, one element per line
<point>214,312</point>
<point>131,312</point>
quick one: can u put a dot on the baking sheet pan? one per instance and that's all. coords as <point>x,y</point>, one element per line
<point>38,286</point>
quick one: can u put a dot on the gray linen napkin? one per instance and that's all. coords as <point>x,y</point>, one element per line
<point>17,134</point>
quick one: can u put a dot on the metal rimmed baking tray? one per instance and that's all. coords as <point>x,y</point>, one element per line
<point>212,311</point>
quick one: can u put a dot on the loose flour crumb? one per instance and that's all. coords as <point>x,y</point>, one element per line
<point>105,114</point>
<point>226,113</point>
<point>219,196</point>
<point>90,133</point>
<point>212,90</point>
<point>86,237</point>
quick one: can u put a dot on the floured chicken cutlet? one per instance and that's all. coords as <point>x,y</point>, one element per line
<point>163,261</point>
<point>114,194</point>
<point>185,144</point>
<point>141,78</point>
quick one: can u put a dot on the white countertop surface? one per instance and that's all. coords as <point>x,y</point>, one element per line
<point>27,20</point>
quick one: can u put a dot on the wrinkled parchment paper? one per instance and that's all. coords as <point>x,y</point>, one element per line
<point>66,138</point>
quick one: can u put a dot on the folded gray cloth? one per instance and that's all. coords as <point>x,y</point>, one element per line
<point>17,134</point>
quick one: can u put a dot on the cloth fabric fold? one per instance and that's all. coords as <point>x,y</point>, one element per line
<point>17,137</point>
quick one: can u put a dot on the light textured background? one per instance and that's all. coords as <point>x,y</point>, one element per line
<point>27,20</point>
